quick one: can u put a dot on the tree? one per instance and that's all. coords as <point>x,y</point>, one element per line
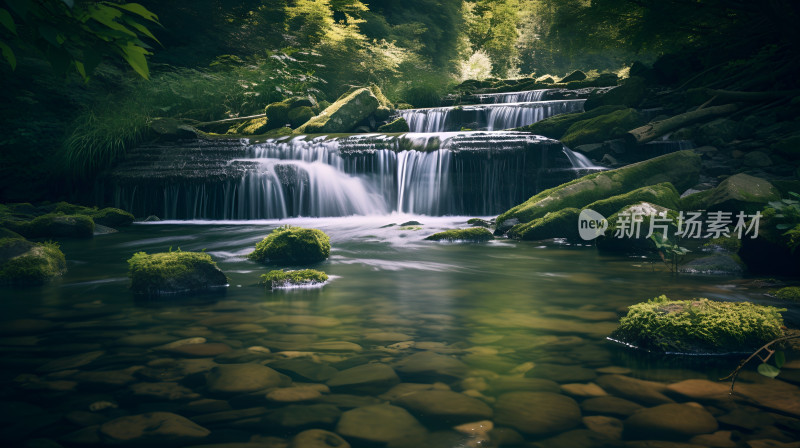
<point>492,28</point>
<point>76,34</point>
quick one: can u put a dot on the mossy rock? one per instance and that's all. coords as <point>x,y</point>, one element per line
<point>54,225</point>
<point>8,233</point>
<point>478,222</point>
<point>300,101</point>
<point>253,126</point>
<point>112,217</point>
<point>169,273</point>
<point>680,168</point>
<point>615,241</point>
<point>730,244</point>
<point>474,234</point>
<point>293,245</point>
<point>300,115</point>
<point>717,132</point>
<point>791,293</point>
<point>556,126</point>
<point>663,194</point>
<point>398,125</point>
<point>719,264</point>
<point>560,224</point>
<point>277,114</point>
<point>740,192</point>
<point>287,279</point>
<point>577,75</point>
<point>629,94</point>
<point>344,114</point>
<point>699,326</point>
<point>601,128</point>
<point>170,129</point>
<point>26,263</point>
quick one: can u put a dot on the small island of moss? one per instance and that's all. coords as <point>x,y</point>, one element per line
<point>288,279</point>
<point>178,272</point>
<point>293,245</point>
<point>474,234</point>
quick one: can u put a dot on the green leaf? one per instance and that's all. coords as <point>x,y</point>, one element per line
<point>81,70</point>
<point>139,10</point>
<point>780,359</point>
<point>8,54</point>
<point>8,21</point>
<point>107,16</point>
<point>140,28</point>
<point>135,56</point>
<point>51,35</point>
<point>768,370</point>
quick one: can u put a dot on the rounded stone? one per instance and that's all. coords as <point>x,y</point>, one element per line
<point>242,378</point>
<point>378,424</point>
<point>445,405</point>
<point>153,427</point>
<point>537,412</point>
<point>670,421</point>
<point>318,438</point>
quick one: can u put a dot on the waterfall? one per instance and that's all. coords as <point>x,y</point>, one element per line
<point>487,116</point>
<point>512,97</point>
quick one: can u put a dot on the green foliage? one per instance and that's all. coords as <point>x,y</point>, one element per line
<point>478,66</point>
<point>54,225</point>
<point>283,279</point>
<point>26,263</point>
<point>292,245</point>
<point>791,293</point>
<point>699,325</point>
<point>474,234</point>
<point>77,35</point>
<point>601,128</point>
<point>731,244</point>
<point>670,251</point>
<point>491,28</point>
<point>173,272</point>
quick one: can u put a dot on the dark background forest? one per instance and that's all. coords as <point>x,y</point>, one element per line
<point>82,80</point>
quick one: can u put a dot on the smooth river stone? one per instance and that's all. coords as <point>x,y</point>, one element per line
<point>515,384</point>
<point>180,342</point>
<point>334,346</point>
<point>701,390</point>
<point>107,378</point>
<point>367,378</point>
<point>537,413</point>
<point>144,340</point>
<point>200,350</point>
<point>242,378</point>
<point>378,424</point>
<point>304,369</point>
<point>429,365</point>
<point>583,390</point>
<point>641,391</point>
<point>294,394</point>
<point>158,427</point>
<point>561,373</point>
<point>70,362</point>
<point>311,321</point>
<point>25,326</point>
<point>167,391</point>
<point>609,405</point>
<point>672,421</point>
<point>318,438</point>
<point>445,406</point>
<point>298,416</point>
<point>410,388</point>
<point>775,395</point>
<point>168,369</point>
<point>608,426</point>
<point>384,337</point>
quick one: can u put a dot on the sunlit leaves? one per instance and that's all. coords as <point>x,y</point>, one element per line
<point>768,370</point>
<point>8,55</point>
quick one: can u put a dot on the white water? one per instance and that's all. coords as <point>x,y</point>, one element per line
<point>512,97</point>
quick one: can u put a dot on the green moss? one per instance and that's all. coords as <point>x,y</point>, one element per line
<point>277,114</point>
<point>343,114</point>
<point>680,168</point>
<point>740,192</point>
<point>730,244</point>
<point>602,128</point>
<point>478,222</point>
<point>283,279</point>
<point>54,225</point>
<point>112,217</point>
<point>699,325</point>
<point>398,125</point>
<point>474,234</point>
<point>254,126</point>
<point>173,273</point>
<point>629,94</point>
<point>25,263</point>
<point>663,194</point>
<point>556,126</point>
<point>788,293</point>
<point>300,115</point>
<point>293,245</point>
<point>560,224</point>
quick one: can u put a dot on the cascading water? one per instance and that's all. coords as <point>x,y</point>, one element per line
<point>487,116</point>
<point>512,97</point>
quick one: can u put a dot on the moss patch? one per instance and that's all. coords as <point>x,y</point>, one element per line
<point>293,245</point>
<point>663,194</point>
<point>740,192</point>
<point>398,125</point>
<point>474,234</point>
<point>602,128</point>
<point>560,224</point>
<point>788,293</point>
<point>54,225</point>
<point>699,326</point>
<point>285,279</point>
<point>177,272</point>
<point>344,114</point>
<point>556,126</point>
<point>300,115</point>
<point>25,263</point>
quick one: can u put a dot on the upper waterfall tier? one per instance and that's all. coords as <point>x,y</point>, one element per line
<point>489,117</point>
<point>465,173</point>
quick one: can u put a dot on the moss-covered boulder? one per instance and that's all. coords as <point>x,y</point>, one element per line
<point>629,94</point>
<point>699,326</point>
<point>112,217</point>
<point>253,126</point>
<point>560,224</point>
<point>577,75</point>
<point>604,127</point>
<point>54,225</point>
<point>169,273</point>
<point>344,114</point>
<point>26,263</point>
<point>398,125</point>
<point>294,245</point>
<point>680,168</point>
<point>288,279</point>
<point>632,239</point>
<point>663,194</point>
<point>300,115</point>
<point>791,293</point>
<point>740,192</point>
<point>556,126</point>
<point>277,114</point>
<point>474,234</point>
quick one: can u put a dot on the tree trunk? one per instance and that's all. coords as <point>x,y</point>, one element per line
<point>651,131</point>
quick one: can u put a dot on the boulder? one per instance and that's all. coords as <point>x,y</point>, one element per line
<point>344,114</point>
<point>740,192</point>
<point>699,326</point>
<point>378,424</point>
<point>444,406</point>
<point>304,416</point>
<point>174,273</point>
<point>25,263</point>
<point>628,240</point>
<point>112,217</point>
<point>153,427</point>
<point>537,413</point>
<point>293,245</point>
<point>431,366</point>
<point>716,133</point>
<point>556,126</point>
<point>560,224</point>
<point>609,405</point>
<point>54,225</point>
<point>601,128</point>
<point>277,114</point>
<point>671,421</point>
<point>474,234</point>
<point>577,75</point>
<point>663,194</point>
<point>366,378</point>
<point>398,125</point>
<point>170,129</point>
<point>299,115</point>
<point>253,126</point>
<point>680,168</point>
<point>242,378</point>
<point>629,94</point>
<point>639,391</point>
